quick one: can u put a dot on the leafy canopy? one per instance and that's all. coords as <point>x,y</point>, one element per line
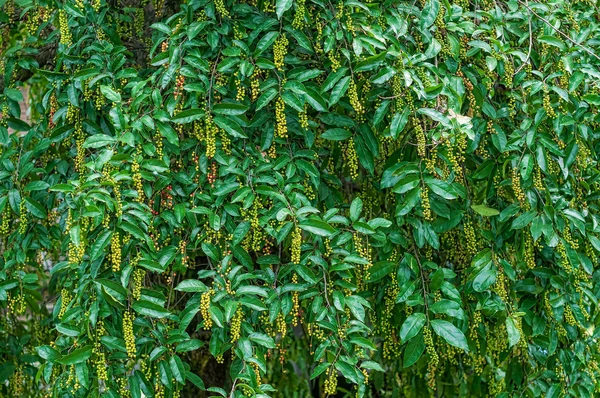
<point>299,198</point>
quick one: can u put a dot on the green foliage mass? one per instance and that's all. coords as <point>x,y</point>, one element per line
<point>295,198</point>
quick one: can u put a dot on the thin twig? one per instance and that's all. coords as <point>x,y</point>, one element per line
<point>584,48</point>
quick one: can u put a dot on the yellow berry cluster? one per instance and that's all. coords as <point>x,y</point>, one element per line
<point>298,22</point>
<point>281,325</point>
<point>241,89</point>
<point>500,286</point>
<point>65,299</point>
<point>548,105</point>
<point>470,237</point>
<point>115,251</point>
<point>4,227</point>
<point>434,359</point>
<point>236,325</point>
<point>319,38</point>
<point>205,300</point>
<point>138,22</point>
<point>497,341</point>
<point>308,190</point>
<point>355,101</point>
<point>565,263</point>
<point>255,85</point>
<point>569,318</point>
<point>303,118</point>
<point>100,360</point>
<point>220,7</point>
<point>516,186</point>
<point>138,281</point>
<point>211,130</point>
<point>296,303</point>
<point>76,252</point>
<point>16,305</point>
<point>330,385</point>
<point>65,32</point>
<point>509,72</point>
<point>421,140</point>
<point>280,51</point>
<point>79,140</point>
<point>529,250</point>
<point>335,62</point>
<point>457,155</point>
<point>17,382</point>
<point>475,355</point>
<point>281,130</point>
<point>137,180</point>
<point>22,217</point>
<point>427,215</point>
<point>391,345</point>
<point>99,99</point>
<point>296,245</point>
<point>351,159</point>
<point>158,143</point>
<point>128,335</point>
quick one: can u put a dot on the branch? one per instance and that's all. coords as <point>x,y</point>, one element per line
<point>584,48</point>
<point>44,58</point>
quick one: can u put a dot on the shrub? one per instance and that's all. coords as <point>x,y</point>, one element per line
<point>299,198</point>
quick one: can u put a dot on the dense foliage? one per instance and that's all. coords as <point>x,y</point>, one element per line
<point>299,198</point>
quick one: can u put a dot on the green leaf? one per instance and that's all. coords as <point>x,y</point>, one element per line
<point>336,134</point>
<point>399,121</point>
<point>36,186</point>
<point>76,356</point>
<point>319,370</point>
<point>513,332</point>
<point>265,98</point>
<point>116,291</point>
<point>370,63</point>
<point>191,285</point>
<point>177,368</point>
<point>35,208</point>
<point>195,380</point>
<point>150,309</point>
<point>168,132</point>
<point>379,270</point>
<point>318,227</point>
<point>412,326</point>
<point>523,220</point>
<point>484,279</point>
<point>339,90</point>
<point>315,100</point>
<point>98,141</point>
<point>282,6</point>
<point>250,289</point>
<point>100,243</point>
<point>230,109</point>
<point>230,126</point>
<point>450,333</point>
<point>413,351</point>
<point>484,210</point>
<point>187,116</point>
<point>442,188</point>
<point>356,208</point>
<point>48,353</point>
<point>13,94</point>
<point>262,340</point>
<point>110,94</point>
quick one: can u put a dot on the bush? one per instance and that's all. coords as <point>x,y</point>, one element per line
<point>299,198</point>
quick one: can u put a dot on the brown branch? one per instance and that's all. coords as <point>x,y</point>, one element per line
<point>44,59</point>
